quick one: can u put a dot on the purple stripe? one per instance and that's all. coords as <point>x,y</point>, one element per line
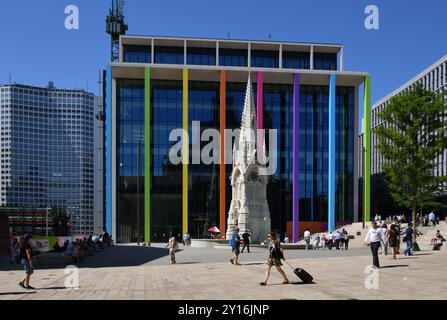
<point>296,158</point>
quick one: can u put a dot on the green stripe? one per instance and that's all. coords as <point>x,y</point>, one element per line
<point>147,155</point>
<point>367,144</point>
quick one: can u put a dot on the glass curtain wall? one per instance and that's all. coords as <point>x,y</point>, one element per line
<point>130,127</point>
<point>166,193</point>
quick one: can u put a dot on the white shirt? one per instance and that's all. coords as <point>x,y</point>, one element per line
<point>306,234</point>
<point>374,235</point>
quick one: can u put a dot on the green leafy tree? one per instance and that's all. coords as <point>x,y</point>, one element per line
<point>413,136</point>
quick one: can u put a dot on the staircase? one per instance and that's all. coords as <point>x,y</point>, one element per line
<point>428,233</point>
<point>356,230</point>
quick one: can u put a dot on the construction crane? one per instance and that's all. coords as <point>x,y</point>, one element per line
<point>115,26</point>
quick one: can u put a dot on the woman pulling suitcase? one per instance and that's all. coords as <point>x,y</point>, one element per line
<point>275,256</point>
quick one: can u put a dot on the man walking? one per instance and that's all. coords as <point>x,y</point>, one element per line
<point>246,240</point>
<point>307,238</point>
<point>235,243</point>
<point>374,238</point>
<point>431,218</point>
<point>26,258</point>
<point>409,239</point>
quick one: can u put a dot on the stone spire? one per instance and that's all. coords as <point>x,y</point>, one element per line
<point>249,208</point>
<point>247,141</point>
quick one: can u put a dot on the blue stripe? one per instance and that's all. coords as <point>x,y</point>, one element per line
<point>332,154</point>
<point>108,221</point>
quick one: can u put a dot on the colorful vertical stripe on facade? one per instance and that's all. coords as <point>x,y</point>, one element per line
<point>331,154</point>
<point>185,152</point>
<point>296,159</point>
<point>108,222</point>
<point>367,146</point>
<point>260,107</point>
<point>147,154</point>
<point>222,177</point>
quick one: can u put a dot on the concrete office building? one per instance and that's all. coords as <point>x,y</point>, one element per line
<point>47,151</point>
<point>434,78</point>
<point>163,83</point>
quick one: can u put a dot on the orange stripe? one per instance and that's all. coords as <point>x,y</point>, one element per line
<point>223,106</point>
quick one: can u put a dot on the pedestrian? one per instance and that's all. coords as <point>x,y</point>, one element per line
<point>316,243</point>
<point>275,256</point>
<point>323,241</point>
<point>432,218</point>
<point>393,240</point>
<point>235,243</point>
<point>409,232</point>
<point>346,239</point>
<point>374,238</point>
<point>307,238</point>
<point>246,240</point>
<point>384,246</point>
<point>337,238</point>
<point>25,255</point>
<point>330,240</point>
<point>342,239</point>
<point>185,239</point>
<point>173,246</point>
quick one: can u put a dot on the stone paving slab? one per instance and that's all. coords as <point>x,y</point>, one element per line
<point>422,276</point>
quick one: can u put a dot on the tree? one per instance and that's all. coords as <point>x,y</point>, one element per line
<point>413,135</point>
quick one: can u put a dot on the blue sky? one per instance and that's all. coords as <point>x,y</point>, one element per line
<point>36,47</point>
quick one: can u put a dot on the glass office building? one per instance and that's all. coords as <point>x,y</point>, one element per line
<point>433,78</point>
<point>47,151</point>
<point>161,84</point>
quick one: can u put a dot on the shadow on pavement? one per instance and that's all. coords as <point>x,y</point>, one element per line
<point>116,256</point>
<point>58,288</point>
<point>294,283</point>
<point>123,256</point>
<point>253,264</point>
<point>395,266</point>
<point>15,293</point>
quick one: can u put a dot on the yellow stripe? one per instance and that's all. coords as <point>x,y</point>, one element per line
<point>185,151</point>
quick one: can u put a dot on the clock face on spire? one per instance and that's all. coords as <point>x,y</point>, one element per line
<point>253,175</point>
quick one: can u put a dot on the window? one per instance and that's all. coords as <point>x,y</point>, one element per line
<point>296,60</point>
<point>169,55</point>
<point>264,59</point>
<point>325,61</point>
<point>201,56</point>
<point>141,54</point>
<point>233,57</point>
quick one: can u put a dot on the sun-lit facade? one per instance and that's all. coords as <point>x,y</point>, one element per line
<point>163,83</point>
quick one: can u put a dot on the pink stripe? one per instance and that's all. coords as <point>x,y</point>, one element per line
<point>260,101</point>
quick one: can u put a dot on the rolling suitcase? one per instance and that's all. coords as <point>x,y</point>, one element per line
<point>301,273</point>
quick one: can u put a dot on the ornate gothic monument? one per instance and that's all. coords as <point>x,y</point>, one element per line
<point>249,209</point>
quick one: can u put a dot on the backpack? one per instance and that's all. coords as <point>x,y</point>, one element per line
<point>232,241</point>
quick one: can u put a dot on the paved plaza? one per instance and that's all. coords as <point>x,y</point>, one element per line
<point>131,272</point>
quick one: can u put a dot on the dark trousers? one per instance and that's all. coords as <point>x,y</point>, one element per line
<point>409,247</point>
<point>337,244</point>
<point>375,252</point>
<point>246,244</point>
